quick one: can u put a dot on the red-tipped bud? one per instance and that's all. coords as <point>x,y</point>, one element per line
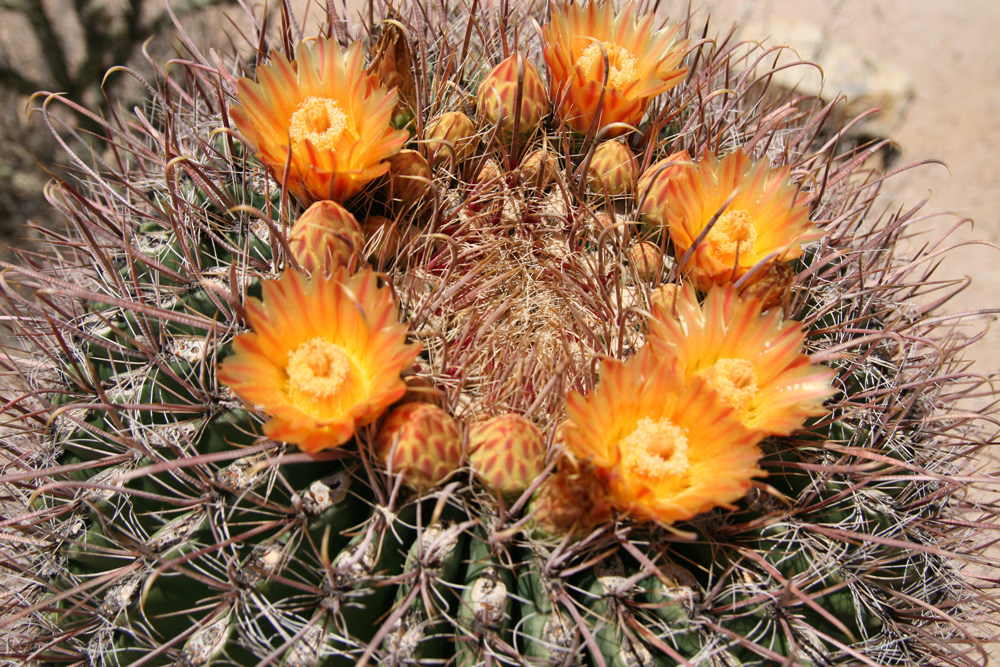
<point>646,260</point>
<point>538,169</point>
<point>664,297</point>
<point>651,189</point>
<point>325,237</point>
<point>385,238</point>
<point>421,442</point>
<point>409,177</point>
<point>507,452</point>
<point>613,170</point>
<point>496,102</point>
<point>451,134</point>
<point>572,500</point>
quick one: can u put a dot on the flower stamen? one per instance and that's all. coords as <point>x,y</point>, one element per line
<point>317,368</point>
<point>622,63</point>
<point>655,450</point>
<point>734,380</point>
<point>321,121</point>
<point>733,233</point>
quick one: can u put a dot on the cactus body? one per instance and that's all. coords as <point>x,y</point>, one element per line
<point>168,525</point>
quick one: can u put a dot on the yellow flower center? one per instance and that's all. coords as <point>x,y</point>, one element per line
<point>732,233</point>
<point>321,121</point>
<point>623,64</point>
<point>317,368</point>
<point>655,451</point>
<point>735,381</point>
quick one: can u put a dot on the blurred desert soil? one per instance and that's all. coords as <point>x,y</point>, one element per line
<point>934,65</point>
<point>65,47</point>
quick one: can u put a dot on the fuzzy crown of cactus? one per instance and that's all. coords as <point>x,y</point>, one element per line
<point>432,340</point>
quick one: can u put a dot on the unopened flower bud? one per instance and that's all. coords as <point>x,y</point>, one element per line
<point>392,62</point>
<point>610,228</point>
<point>507,452</point>
<point>490,172</point>
<point>571,500</point>
<point>613,170</point>
<point>451,134</point>
<point>651,190</point>
<point>664,296</point>
<point>646,260</point>
<point>538,169</point>
<point>421,442</point>
<point>325,237</point>
<point>496,102</point>
<point>386,238</point>
<point>409,177</point>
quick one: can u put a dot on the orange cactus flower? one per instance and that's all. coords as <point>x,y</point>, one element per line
<point>323,116</point>
<point>643,63</point>
<point>666,450</point>
<point>763,223</point>
<point>754,360</point>
<point>324,357</point>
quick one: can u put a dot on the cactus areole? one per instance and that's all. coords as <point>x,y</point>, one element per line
<point>437,341</point>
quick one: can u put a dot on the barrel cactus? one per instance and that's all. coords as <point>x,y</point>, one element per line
<point>432,340</point>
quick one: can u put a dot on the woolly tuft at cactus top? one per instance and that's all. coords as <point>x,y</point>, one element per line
<point>155,523</point>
